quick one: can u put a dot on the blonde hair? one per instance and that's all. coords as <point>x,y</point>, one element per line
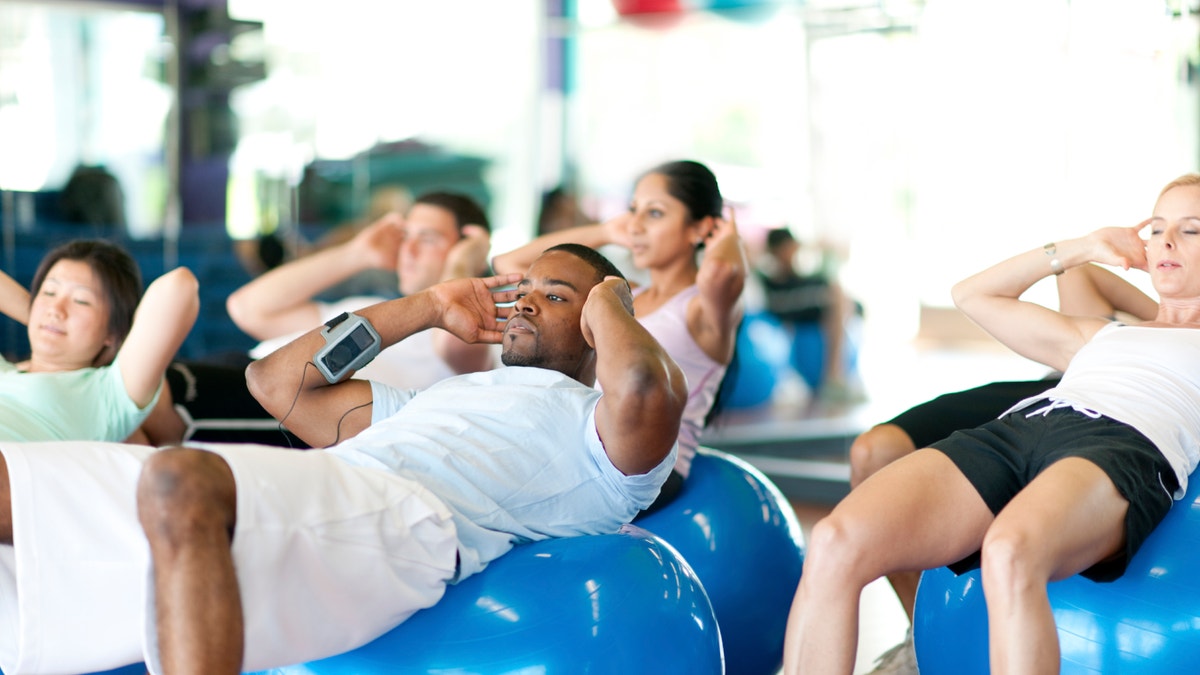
<point>1186,180</point>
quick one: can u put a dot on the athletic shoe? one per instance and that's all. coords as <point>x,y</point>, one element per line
<point>899,660</point>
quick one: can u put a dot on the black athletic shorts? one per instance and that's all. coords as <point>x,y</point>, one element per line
<point>1001,457</point>
<point>938,418</point>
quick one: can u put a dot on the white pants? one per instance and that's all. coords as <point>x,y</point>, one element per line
<point>73,586</point>
<point>328,556</point>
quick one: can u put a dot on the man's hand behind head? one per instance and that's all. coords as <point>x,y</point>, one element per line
<point>469,255</point>
<point>470,308</point>
<point>611,290</point>
<point>379,242</point>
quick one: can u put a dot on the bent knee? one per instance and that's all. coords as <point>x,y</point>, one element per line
<point>837,549</point>
<point>183,486</point>
<point>876,448</point>
<point>1011,558</point>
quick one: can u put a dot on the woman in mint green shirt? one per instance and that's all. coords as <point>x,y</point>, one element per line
<point>98,347</point>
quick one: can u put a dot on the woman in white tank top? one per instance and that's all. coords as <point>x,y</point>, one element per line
<point>1070,481</point>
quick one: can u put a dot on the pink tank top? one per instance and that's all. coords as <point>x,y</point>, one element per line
<point>668,325</point>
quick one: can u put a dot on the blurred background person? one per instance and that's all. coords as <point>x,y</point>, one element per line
<point>816,313</point>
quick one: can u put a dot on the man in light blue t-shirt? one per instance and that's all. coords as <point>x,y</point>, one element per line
<point>525,452</point>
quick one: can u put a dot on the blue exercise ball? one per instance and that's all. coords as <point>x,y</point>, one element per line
<point>747,11</point>
<point>132,669</point>
<point>135,669</point>
<point>618,603</point>
<point>741,536</point>
<point>807,354</point>
<point>1147,621</point>
<point>760,357</point>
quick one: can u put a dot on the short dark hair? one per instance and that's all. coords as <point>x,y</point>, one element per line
<point>603,266</point>
<point>778,237</point>
<point>119,276</point>
<point>92,196</point>
<point>466,211</point>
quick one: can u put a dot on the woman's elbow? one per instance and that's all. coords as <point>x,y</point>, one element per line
<point>960,294</point>
<point>181,289</point>
<point>180,282</point>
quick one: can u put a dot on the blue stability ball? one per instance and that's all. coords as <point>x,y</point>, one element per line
<point>739,533</point>
<point>749,11</point>
<point>1148,621</point>
<point>134,669</point>
<point>808,354</point>
<point>618,603</point>
<point>761,355</point>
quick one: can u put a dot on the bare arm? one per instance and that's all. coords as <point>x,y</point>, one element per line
<point>644,390</point>
<point>14,299</point>
<point>290,388</point>
<point>280,302</point>
<point>1090,290</point>
<point>467,258</point>
<point>991,298</point>
<point>596,235</point>
<point>717,309</point>
<point>833,325</point>
<point>162,321</point>
<point>163,426</point>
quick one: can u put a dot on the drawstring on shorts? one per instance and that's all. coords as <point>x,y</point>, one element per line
<point>1056,404</point>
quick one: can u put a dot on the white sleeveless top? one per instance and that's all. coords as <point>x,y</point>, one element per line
<point>1146,377</point>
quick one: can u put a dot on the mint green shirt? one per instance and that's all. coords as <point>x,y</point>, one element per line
<point>86,404</point>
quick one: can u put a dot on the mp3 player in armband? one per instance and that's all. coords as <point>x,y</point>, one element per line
<point>350,343</point>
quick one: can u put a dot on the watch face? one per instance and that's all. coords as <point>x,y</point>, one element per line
<point>348,349</point>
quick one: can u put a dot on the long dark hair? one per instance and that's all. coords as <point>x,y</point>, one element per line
<point>693,184</point>
<point>696,186</point>
<point>120,280</point>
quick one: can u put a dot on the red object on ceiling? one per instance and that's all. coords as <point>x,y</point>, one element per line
<point>627,7</point>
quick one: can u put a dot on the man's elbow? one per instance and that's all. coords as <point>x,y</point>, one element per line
<point>659,388</point>
<point>264,385</point>
<point>505,263</point>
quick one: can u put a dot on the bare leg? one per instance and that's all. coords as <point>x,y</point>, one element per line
<point>874,449</point>
<point>187,504</point>
<point>882,526</point>
<point>1064,521</point>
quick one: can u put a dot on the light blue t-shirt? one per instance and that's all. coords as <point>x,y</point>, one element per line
<point>514,454</point>
<point>69,405</point>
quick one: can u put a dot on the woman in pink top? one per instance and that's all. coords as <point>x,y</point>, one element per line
<point>692,304</point>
